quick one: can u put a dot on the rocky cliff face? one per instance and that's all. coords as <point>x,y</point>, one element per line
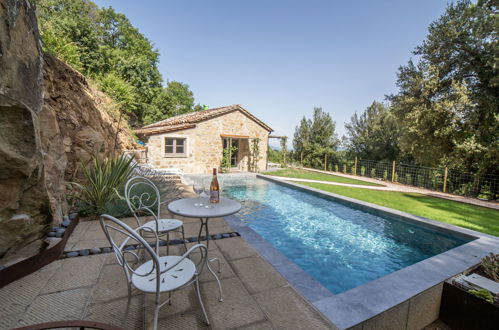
<point>50,121</point>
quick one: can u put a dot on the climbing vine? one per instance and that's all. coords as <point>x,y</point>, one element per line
<point>255,155</point>
<point>226,157</point>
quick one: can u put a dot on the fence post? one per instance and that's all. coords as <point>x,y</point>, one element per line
<point>325,162</point>
<point>393,171</point>
<point>355,167</point>
<point>445,179</point>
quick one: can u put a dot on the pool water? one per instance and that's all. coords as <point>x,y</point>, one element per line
<point>340,246</point>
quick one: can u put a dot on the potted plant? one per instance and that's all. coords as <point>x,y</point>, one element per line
<point>471,300</point>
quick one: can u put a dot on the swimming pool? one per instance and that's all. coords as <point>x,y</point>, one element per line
<point>342,247</point>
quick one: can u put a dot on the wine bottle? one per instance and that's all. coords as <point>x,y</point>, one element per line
<point>214,188</point>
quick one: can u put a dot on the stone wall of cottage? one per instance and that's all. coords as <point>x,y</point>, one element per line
<point>205,144</point>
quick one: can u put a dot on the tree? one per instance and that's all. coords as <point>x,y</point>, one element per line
<point>301,139</point>
<point>315,138</point>
<point>448,103</point>
<point>374,134</point>
<point>175,99</point>
<point>101,42</point>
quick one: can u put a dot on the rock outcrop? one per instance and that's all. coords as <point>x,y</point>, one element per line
<point>50,121</point>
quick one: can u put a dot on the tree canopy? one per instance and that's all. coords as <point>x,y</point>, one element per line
<point>446,110</point>
<point>448,103</point>
<point>314,138</point>
<point>106,47</point>
<point>373,135</point>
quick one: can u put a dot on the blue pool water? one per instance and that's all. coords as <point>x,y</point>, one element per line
<point>340,246</point>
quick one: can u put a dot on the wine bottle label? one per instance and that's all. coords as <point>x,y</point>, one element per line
<point>214,196</point>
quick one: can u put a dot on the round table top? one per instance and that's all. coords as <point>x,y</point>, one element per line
<point>185,207</point>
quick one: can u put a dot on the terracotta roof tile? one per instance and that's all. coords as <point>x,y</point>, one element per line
<point>189,119</point>
<point>163,129</point>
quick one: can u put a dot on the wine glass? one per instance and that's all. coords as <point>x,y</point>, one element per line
<point>198,188</point>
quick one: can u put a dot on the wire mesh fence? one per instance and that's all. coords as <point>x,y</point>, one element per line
<point>438,179</point>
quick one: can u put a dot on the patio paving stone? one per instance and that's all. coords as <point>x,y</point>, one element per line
<point>182,321</point>
<point>110,285</point>
<point>9,321</point>
<point>183,301</point>
<point>297,313</point>
<point>17,295</point>
<point>258,326</point>
<point>113,312</point>
<point>235,248</point>
<point>57,306</point>
<point>75,273</point>
<point>257,274</point>
<point>237,309</point>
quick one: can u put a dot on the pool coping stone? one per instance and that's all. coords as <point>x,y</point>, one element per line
<point>364,302</point>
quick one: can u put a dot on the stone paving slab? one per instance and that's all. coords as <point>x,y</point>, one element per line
<point>237,309</point>
<point>235,248</point>
<point>182,321</point>
<point>57,306</point>
<point>113,312</point>
<point>110,285</point>
<point>265,325</point>
<point>75,273</point>
<point>257,274</point>
<point>16,296</point>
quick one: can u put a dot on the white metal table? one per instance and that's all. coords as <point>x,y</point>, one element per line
<point>201,208</point>
<point>186,207</point>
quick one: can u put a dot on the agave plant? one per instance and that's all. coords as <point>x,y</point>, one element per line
<point>103,177</point>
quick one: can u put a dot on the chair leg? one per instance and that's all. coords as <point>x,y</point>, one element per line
<point>157,306</point>
<point>220,296</point>
<point>183,238</point>
<point>168,243</point>
<point>198,291</point>
<point>127,310</point>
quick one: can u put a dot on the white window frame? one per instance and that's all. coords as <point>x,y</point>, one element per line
<point>175,140</point>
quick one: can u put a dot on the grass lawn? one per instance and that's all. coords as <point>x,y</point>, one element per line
<point>473,217</point>
<point>303,174</point>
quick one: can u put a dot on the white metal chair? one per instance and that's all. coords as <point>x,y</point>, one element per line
<point>141,193</point>
<point>159,274</point>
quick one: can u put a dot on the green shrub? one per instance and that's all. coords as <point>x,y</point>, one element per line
<point>61,47</point>
<point>336,168</point>
<point>408,179</point>
<point>362,171</point>
<point>119,90</point>
<point>385,175</point>
<point>344,168</point>
<point>483,294</point>
<point>373,173</point>
<point>103,178</point>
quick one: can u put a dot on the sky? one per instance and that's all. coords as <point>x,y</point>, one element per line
<point>281,58</point>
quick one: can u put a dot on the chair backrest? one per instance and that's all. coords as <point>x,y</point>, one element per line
<point>140,192</point>
<point>125,242</point>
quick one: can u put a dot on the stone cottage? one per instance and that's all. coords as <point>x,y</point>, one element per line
<point>195,142</point>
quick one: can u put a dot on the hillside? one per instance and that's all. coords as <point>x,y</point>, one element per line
<point>51,120</point>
